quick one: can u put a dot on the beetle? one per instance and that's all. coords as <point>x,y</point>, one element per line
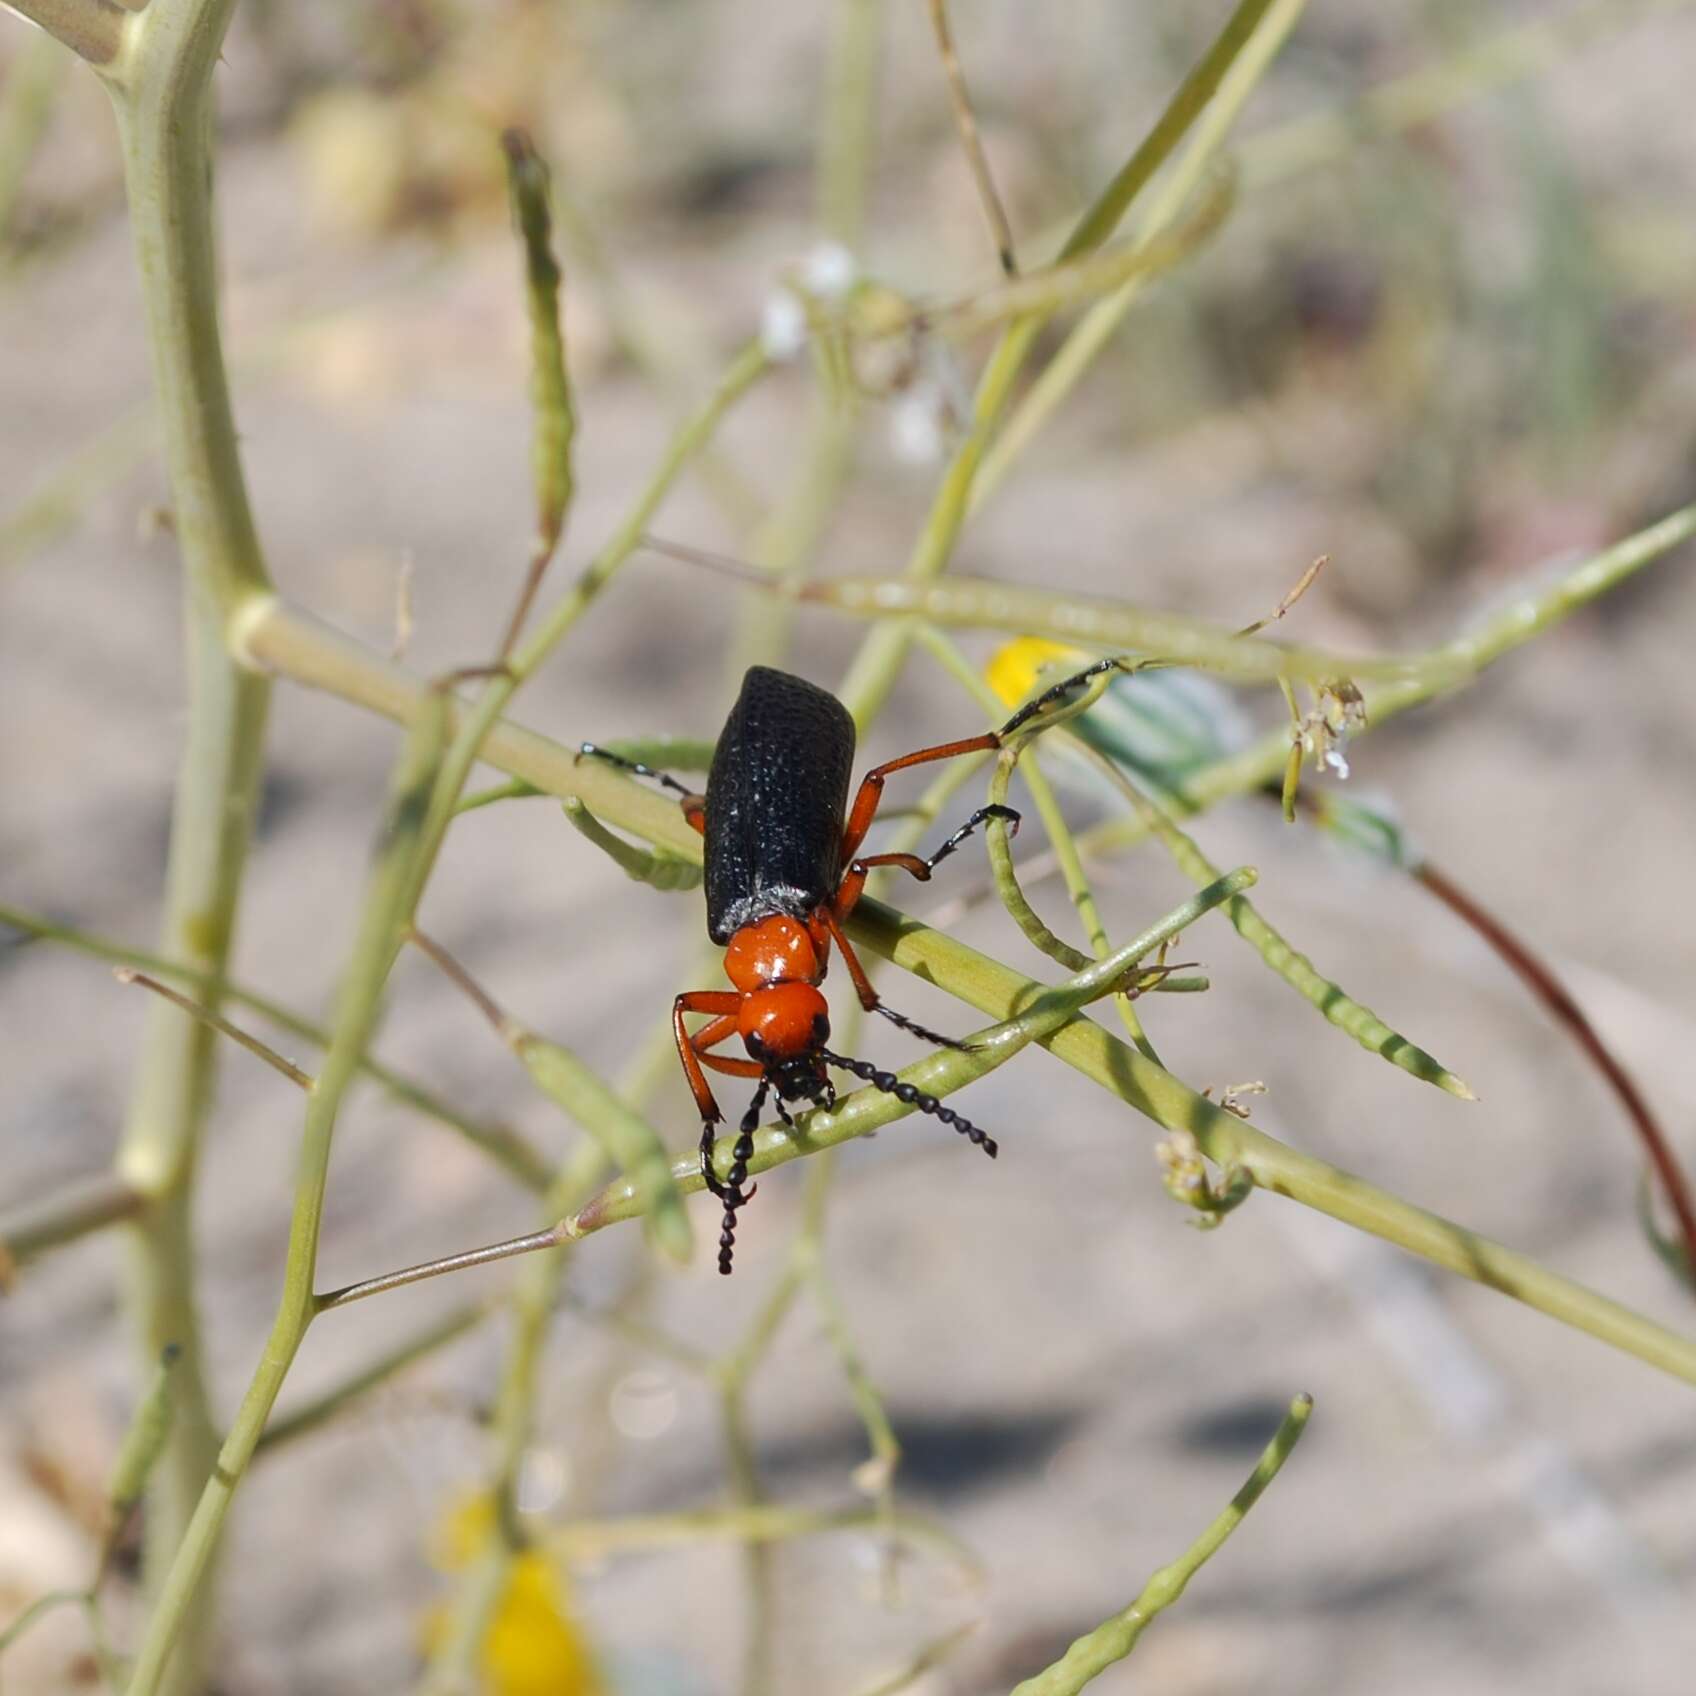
<point>783,872</point>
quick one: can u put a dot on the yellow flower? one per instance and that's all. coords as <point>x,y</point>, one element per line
<point>1015,668</point>
<point>534,1645</point>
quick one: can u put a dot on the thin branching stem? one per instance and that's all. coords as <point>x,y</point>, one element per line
<point>872,674</point>
<point>78,1211</point>
<point>1499,628</point>
<point>1112,625</point>
<point>1093,1653</point>
<point>332,1403</point>
<point>1062,843</point>
<point>161,93</point>
<point>307,650</point>
<point>501,1142</point>
<point>1237,76</point>
<point>386,912</point>
<point>1339,1008</point>
<point>965,121</point>
<point>765,1522</point>
<point>217,1022</point>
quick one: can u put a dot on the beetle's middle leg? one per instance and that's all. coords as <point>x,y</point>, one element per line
<point>854,879</point>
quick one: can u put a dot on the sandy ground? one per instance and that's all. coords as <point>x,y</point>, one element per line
<point>1485,1502</point>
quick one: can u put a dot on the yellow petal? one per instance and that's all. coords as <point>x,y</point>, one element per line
<point>534,1646</point>
<point>1012,673</point>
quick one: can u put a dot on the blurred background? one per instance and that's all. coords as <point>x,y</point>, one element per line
<point>1444,352</point>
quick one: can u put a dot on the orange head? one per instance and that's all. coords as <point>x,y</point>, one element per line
<point>772,950</point>
<point>784,1022</point>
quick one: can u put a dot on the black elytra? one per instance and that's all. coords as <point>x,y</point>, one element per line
<point>777,802</point>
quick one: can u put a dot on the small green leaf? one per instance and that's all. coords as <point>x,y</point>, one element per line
<point>658,866</point>
<point>625,1136</point>
<point>145,1440</point>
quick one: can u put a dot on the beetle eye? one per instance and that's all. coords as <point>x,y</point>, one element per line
<point>756,1047</point>
<point>821,1029</point>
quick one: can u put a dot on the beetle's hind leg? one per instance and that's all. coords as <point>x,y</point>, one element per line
<point>694,803</point>
<point>870,1000</point>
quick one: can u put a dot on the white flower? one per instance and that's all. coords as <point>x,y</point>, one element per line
<point>829,271</point>
<point>783,324</point>
<point>916,425</point>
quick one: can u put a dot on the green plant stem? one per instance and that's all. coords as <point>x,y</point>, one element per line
<point>386,911</point>
<point>1061,842</point>
<point>732,1374</point>
<point>843,162</point>
<point>877,1477</point>
<point>872,674</point>
<point>769,1522</point>
<point>1110,624</point>
<point>759,1652</point>
<point>748,366</point>
<point>1093,1653</point>
<point>1505,624</point>
<point>65,1217</point>
<point>1238,76</point>
<point>931,1655</point>
<point>500,1142</point>
<point>1339,1008</point>
<point>291,642</point>
<point>533,1304</point>
<point>161,94</point>
<point>302,1421</point>
<point>1226,1140</point>
<point>1032,1012</point>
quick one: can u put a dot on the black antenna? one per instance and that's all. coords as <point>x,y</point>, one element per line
<point>730,1188</point>
<point>913,1096</point>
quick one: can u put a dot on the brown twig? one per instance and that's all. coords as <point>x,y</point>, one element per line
<point>1536,975</point>
<point>995,214</point>
<point>1303,583</point>
<point>530,1243</point>
<point>458,975</point>
<point>129,975</point>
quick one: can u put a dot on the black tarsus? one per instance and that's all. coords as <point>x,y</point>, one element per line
<point>913,1096</point>
<point>709,1147</point>
<point>914,1029</point>
<point>994,811</point>
<point>1061,689</point>
<point>729,1190</point>
<point>593,751</point>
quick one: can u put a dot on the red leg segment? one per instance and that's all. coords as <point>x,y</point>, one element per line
<point>719,1001</point>
<point>733,1067</point>
<point>870,795</point>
